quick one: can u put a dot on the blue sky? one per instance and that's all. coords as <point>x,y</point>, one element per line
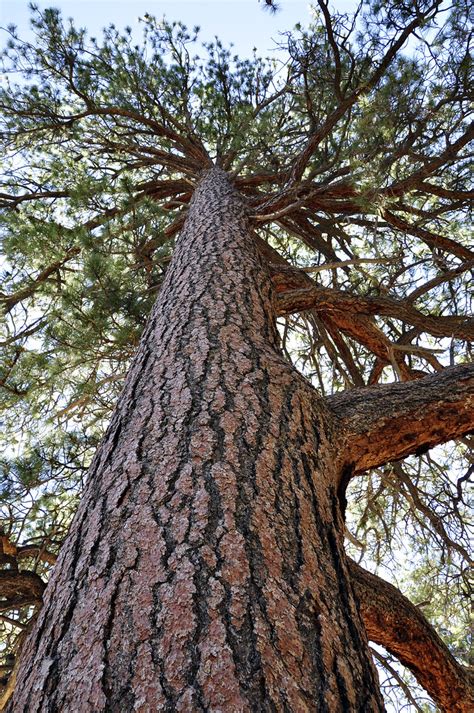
<point>242,22</point>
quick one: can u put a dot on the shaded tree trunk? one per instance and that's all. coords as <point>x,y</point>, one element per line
<point>205,570</point>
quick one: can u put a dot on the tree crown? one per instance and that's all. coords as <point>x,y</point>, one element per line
<point>352,151</point>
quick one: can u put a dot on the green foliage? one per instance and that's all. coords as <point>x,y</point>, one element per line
<point>102,143</point>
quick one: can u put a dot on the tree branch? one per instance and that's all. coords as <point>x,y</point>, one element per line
<point>9,301</point>
<point>430,518</point>
<point>417,178</point>
<point>334,47</point>
<point>19,589</point>
<point>431,239</point>
<point>360,327</point>
<point>391,421</point>
<point>392,621</point>
<point>315,138</point>
<point>395,675</point>
<point>324,298</point>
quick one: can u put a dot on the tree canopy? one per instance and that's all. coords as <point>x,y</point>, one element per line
<point>352,145</point>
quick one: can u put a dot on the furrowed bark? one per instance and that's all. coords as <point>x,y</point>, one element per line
<point>205,567</point>
<point>392,621</point>
<point>391,421</point>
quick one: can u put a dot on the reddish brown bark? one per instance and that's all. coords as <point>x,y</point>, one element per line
<point>394,622</point>
<point>322,299</point>
<point>19,588</point>
<point>205,569</point>
<point>388,422</point>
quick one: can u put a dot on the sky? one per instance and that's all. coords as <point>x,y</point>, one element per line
<point>242,22</point>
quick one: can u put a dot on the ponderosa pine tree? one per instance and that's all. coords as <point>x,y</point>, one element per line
<point>205,569</point>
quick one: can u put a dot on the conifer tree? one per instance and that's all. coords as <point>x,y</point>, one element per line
<point>243,284</point>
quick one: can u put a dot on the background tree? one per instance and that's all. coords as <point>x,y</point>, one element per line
<point>353,157</point>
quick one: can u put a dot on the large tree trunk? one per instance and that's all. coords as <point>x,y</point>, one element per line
<point>205,570</point>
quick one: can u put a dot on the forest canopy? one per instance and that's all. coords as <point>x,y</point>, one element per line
<point>353,145</point>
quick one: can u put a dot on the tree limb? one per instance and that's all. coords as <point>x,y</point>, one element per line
<point>299,164</point>
<point>431,239</point>
<point>392,621</point>
<point>396,677</point>
<point>360,327</point>
<point>324,298</point>
<point>438,280</point>
<point>18,589</point>
<point>391,421</point>
<point>417,178</point>
<point>412,494</point>
<point>9,301</point>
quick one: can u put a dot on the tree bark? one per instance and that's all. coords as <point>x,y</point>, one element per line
<point>391,421</point>
<point>392,621</point>
<point>205,570</point>
<point>322,299</point>
<point>19,588</point>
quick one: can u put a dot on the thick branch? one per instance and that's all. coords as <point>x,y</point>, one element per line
<point>427,187</point>
<point>324,298</point>
<point>13,552</point>
<point>391,421</point>
<point>392,621</point>
<point>19,589</point>
<point>37,552</point>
